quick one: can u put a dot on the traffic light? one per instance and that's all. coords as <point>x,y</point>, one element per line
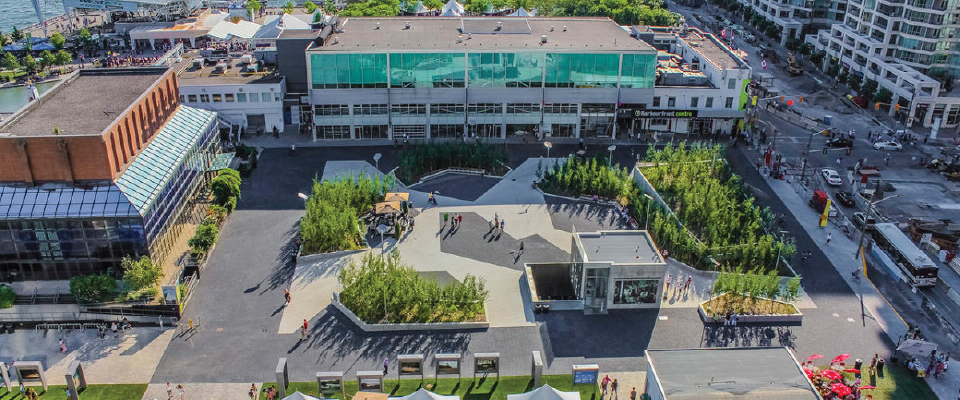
<point>781,98</point>
<point>801,99</point>
<point>824,151</point>
<point>896,108</point>
<point>876,106</point>
<point>789,102</point>
<point>755,98</point>
<point>849,150</point>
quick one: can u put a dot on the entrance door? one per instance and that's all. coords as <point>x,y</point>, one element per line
<point>595,291</point>
<point>255,122</point>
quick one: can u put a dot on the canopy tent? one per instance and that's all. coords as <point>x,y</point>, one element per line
<point>424,394</point>
<point>545,392</point>
<point>396,196</point>
<point>43,46</point>
<point>369,396</point>
<point>521,12</point>
<point>387,207</point>
<point>916,348</point>
<point>452,9</point>
<point>274,25</point>
<point>299,396</point>
<point>226,30</point>
<point>152,33</point>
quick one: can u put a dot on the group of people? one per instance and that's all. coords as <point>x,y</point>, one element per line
<point>610,387</point>
<point>677,289</point>
<point>115,60</point>
<point>937,366</point>
<point>180,392</point>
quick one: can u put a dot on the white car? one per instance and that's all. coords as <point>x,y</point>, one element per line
<point>887,146</point>
<point>831,176</point>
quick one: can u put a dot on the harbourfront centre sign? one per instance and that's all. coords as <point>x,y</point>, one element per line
<point>640,113</point>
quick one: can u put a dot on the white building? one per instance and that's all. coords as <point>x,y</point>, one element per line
<point>699,87</point>
<point>797,17</point>
<point>247,101</point>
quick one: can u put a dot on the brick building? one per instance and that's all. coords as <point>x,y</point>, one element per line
<point>105,164</point>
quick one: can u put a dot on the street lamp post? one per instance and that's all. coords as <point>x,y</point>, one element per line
<point>803,168</point>
<point>376,159</point>
<point>548,145</point>
<point>866,217</point>
<point>646,212</point>
<point>610,159</point>
<point>381,229</point>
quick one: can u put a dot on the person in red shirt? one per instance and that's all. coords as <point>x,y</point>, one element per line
<point>303,332</point>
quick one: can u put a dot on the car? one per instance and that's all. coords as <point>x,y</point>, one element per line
<point>887,146</point>
<point>845,198</point>
<point>839,142</point>
<point>858,220</point>
<point>831,176</point>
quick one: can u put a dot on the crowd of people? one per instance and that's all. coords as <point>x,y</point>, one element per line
<point>113,60</point>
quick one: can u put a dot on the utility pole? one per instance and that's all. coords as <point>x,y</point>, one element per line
<point>863,228</point>
<point>803,167</point>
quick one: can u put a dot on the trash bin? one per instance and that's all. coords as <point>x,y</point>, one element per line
<point>880,366</point>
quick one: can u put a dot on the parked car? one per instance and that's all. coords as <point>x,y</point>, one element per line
<point>839,142</point>
<point>887,146</point>
<point>831,176</point>
<point>749,38</point>
<point>858,220</point>
<point>845,198</point>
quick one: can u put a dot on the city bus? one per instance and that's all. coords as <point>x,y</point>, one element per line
<point>913,262</point>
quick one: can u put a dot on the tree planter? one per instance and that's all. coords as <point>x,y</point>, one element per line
<point>708,316</point>
<point>430,326</point>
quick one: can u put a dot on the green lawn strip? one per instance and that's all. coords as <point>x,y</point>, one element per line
<point>897,383</point>
<point>486,388</point>
<point>92,392</point>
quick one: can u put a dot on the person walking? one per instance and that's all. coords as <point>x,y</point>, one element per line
<point>287,296</point>
<point>633,393</point>
<point>386,364</point>
<point>603,383</point>
<point>502,223</point>
<point>687,285</point>
<point>839,159</point>
<point>63,346</point>
<point>496,222</point>
<point>253,391</point>
<point>829,236</point>
<point>613,389</point>
<point>521,249</point>
<point>666,286</point>
<point>446,217</point>
<point>169,391</point>
<point>180,391</point>
<point>303,332</point>
<point>113,328</point>
<point>459,219</point>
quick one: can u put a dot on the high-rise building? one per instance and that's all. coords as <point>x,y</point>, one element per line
<point>798,17</point>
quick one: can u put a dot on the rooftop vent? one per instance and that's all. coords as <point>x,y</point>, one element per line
<point>499,25</point>
<point>543,39</point>
<point>336,39</point>
<point>564,28</point>
<point>459,38</point>
<point>551,28</point>
<point>469,36</point>
<point>406,25</point>
<point>378,25</point>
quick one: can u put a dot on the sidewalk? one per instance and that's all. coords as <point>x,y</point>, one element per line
<point>840,251</point>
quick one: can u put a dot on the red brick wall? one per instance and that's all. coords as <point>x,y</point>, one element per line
<point>42,159</point>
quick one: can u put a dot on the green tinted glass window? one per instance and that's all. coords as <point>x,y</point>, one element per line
<point>330,71</point>
<point>582,70</point>
<point>638,70</point>
<point>505,69</point>
<point>425,70</point>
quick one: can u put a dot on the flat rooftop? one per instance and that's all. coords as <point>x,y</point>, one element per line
<point>711,50</point>
<point>237,74</point>
<point>619,247</point>
<point>488,33</point>
<point>745,373</point>
<point>83,104</point>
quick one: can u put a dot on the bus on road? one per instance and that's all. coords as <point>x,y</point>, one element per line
<point>913,262</point>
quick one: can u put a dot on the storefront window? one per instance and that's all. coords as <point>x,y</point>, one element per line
<point>635,291</point>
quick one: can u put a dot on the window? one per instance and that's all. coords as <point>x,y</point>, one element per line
<point>446,131</point>
<point>635,291</point>
<point>485,108</point>
<point>523,108</point>
<point>427,70</point>
<point>217,98</point>
<point>182,99</point>
<point>694,102</point>
<point>229,97</point>
<point>326,109</point>
<point>242,97</point>
<point>729,103</point>
<point>638,70</point>
<point>442,109</point>
<point>709,102</point>
<point>658,121</point>
<point>333,131</point>
<point>349,71</point>
<point>373,132</point>
<point>254,97</point>
<point>505,69</point>
<point>731,84</point>
<point>672,102</point>
<point>191,98</point>
<point>656,102</point>
<point>560,108</point>
<point>266,97</point>
<point>582,70</point>
<point>370,109</point>
<point>563,130</point>
<point>408,109</point>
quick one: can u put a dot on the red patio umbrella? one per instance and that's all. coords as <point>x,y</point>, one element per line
<point>852,370</point>
<point>830,374</point>
<point>814,357</point>
<point>840,389</point>
<point>865,387</point>
<point>840,358</point>
<point>809,372</point>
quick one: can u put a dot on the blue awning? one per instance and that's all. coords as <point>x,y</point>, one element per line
<point>44,46</point>
<point>161,159</point>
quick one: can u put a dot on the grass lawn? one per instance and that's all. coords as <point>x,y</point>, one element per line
<point>485,389</point>
<point>895,383</point>
<point>92,392</point>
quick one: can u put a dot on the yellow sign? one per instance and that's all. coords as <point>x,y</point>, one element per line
<point>826,213</point>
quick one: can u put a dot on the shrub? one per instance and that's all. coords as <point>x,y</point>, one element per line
<point>217,214</point>
<point>418,160</point>
<point>93,288</point>
<point>225,186</point>
<point>245,152</point>
<point>578,177</point>
<point>204,238</point>
<point>139,274</point>
<point>231,204</point>
<point>381,285</point>
<point>7,296</point>
<point>330,223</point>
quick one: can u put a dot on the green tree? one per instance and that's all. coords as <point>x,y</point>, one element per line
<point>57,40</point>
<point>225,186</point>
<point>793,288</point>
<point>204,238</point>
<point>28,42</point>
<point>93,288</point>
<point>4,40</point>
<point>287,7</point>
<point>433,4</point>
<point>30,65</point>
<point>883,96</point>
<point>794,44</point>
<point>478,6</point>
<point>817,57</point>
<point>62,58</point>
<point>46,59</point>
<point>16,35</point>
<point>85,37</point>
<point>498,4</point>
<point>309,6</point>
<point>854,82</point>
<point>868,89</point>
<point>330,7</point>
<point>254,7</point>
<point>10,62</point>
<point>140,273</point>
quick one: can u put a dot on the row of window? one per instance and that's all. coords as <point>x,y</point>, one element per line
<point>694,102</point>
<point>436,131</point>
<point>421,109</point>
<point>230,98</point>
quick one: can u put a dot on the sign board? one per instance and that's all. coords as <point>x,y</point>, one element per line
<point>410,364</point>
<point>637,113</point>
<point>370,381</point>
<point>112,5</point>
<point>30,371</point>
<point>329,383</point>
<point>486,363</point>
<point>75,380</point>
<point>584,374</point>
<point>448,364</point>
<point>926,238</point>
<point>283,377</point>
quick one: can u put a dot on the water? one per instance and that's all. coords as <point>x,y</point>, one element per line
<point>12,98</point>
<point>20,13</point>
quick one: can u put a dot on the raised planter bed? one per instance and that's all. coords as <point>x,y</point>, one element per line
<point>717,317</point>
<point>430,326</point>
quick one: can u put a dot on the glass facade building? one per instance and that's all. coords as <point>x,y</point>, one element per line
<point>55,231</point>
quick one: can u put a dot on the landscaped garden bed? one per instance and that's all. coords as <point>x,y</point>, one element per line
<point>383,290</point>
<point>753,297</point>
<point>332,221</point>
<point>419,160</point>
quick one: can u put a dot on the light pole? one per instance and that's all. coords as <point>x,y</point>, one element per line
<point>610,159</point>
<point>376,159</point>
<point>548,145</point>
<point>866,217</point>
<point>803,168</point>
<point>646,212</point>
<point>381,229</point>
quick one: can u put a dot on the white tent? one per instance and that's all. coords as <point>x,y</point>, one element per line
<point>226,30</point>
<point>274,25</point>
<point>452,9</point>
<point>545,392</point>
<point>521,12</point>
<point>424,394</point>
<point>916,348</point>
<point>420,8</point>
<point>299,396</point>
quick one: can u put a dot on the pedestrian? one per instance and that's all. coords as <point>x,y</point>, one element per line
<point>386,363</point>
<point>446,217</point>
<point>459,219</point>
<point>253,391</point>
<point>63,346</point>
<point>613,389</point>
<point>605,381</point>
<point>521,248</point>
<point>113,328</point>
<point>496,222</point>
<point>886,160</point>
<point>502,222</point>
<point>180,391</point>
<point>873,364</point>
<point>411,224</point>
<point>169,391</point>
<point>633,393</point>
<point>453,221</point>
<point>733,321</point>
<point>430,199</point>
<point>687,285</point>
<point>829,236</point>
<point>287,296</point>
<point>303,332</point>
<point>839,159</point>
